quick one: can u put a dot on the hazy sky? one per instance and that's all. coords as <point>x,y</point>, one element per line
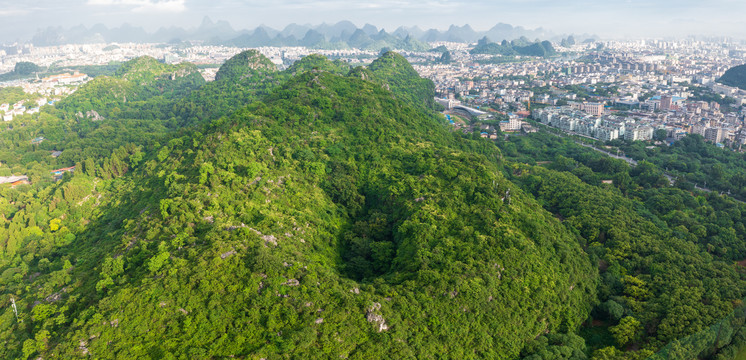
<point>607,18</point>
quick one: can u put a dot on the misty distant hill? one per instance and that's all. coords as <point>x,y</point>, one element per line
<point>343,34</point>
<point>520,46</point>
<point>735,76</point>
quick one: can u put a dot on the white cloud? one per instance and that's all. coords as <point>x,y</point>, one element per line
<point>378,5</point>
<point>173,6</point>
<point>145,6</point>
<point>13,12</point>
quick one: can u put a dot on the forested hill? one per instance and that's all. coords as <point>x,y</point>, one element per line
<point>394,72</point>
<point>245,64</point>
<point>326,219</point>
<point>328,212</point>
<point>735,76</point>
<point>137,80</point>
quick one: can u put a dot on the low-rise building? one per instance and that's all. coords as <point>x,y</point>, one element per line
<point>715,135</point>
<point>639,133</point>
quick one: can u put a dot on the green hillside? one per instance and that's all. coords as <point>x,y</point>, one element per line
<point>327,220</point>
<point>396,74</point>
<point>245,64</point>
<point>670,259</point>
<point>318,62</point>
<point>136,81</point>
<point>325,212</point>
<point>735,76</point>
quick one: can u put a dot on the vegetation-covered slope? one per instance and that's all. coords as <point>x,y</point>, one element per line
<point>395,73</point>
<point>319,62</point>
<point>245,64</point>
<point>137,80</point>
<point>99,118</point>
<point>696,162</point>
<point>670,260</point>
<point>735,76</point>
<point>328,220</point>
<point>322,212</point>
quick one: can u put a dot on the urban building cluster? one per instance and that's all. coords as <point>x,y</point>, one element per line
<point>39,92</point>
<point>614,90</point>
<point>571,119</point>
<point>676,116</point>
<point>606,90</point>
<point>20,108</point>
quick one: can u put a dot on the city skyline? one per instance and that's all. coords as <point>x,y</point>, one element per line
<point>611,20</point>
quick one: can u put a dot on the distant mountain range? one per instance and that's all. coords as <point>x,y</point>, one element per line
<point>343,34</point>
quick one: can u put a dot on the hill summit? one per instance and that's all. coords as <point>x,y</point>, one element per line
<point>244,64</point>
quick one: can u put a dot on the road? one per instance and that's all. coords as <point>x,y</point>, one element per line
<point>629,160</point>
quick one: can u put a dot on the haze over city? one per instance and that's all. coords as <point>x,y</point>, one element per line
<point>608,19</point>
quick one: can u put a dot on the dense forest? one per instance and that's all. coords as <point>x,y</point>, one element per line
<point>668,257</point>
<point>329,212</point>
<point>696,163</point>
